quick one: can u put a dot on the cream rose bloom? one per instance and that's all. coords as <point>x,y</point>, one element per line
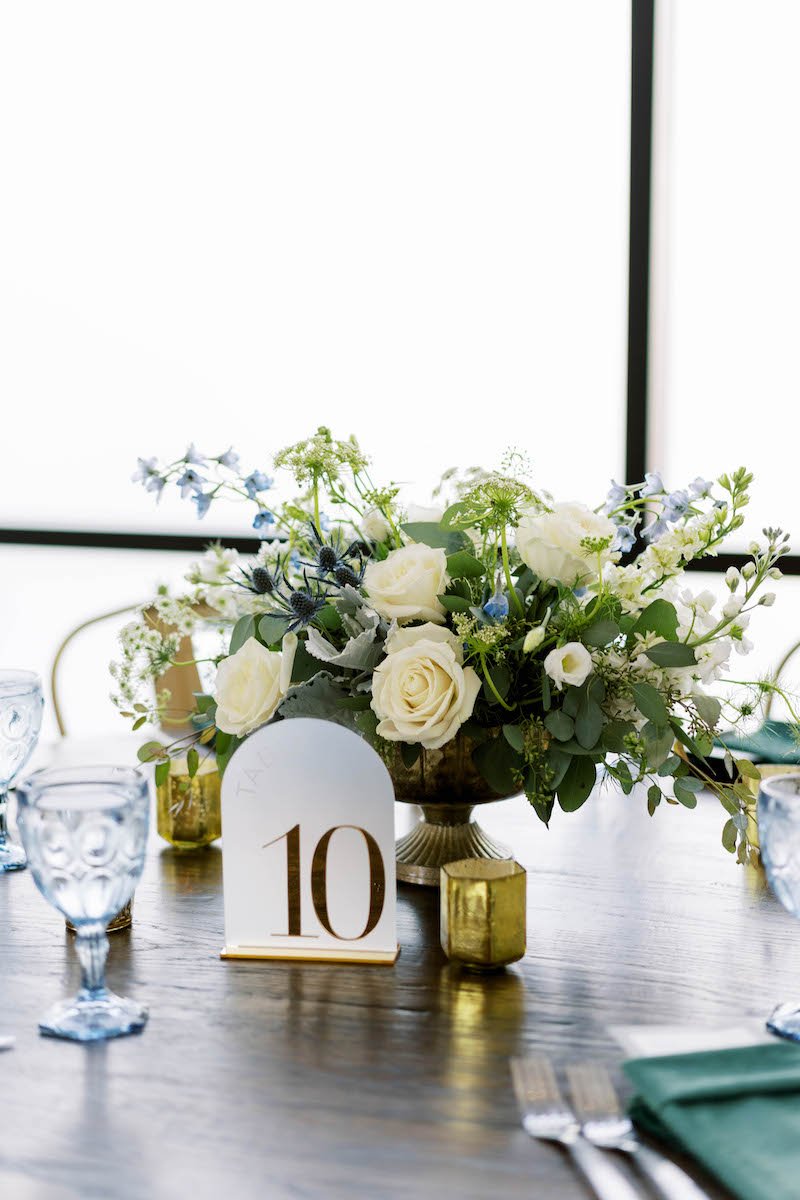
<point>421,691</point>
<point>252,683</point>
<point>550,543</point>
<point>570,664</point>
<point>407,584</point>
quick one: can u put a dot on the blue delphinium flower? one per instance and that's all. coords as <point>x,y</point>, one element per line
<point>190,482</point>
<point>675,505</point>
<point>203,502</point>
<point>145,469</point>
<point>263,518</point>
<point>700,487</point>
<point>229,459</point>
<point>654,530</point>
<point>624,539</point>
<point>617,495</point>
<point>496,607</point>
<point>193,455</point>
<point>653,484</point>
<point>257,482</point>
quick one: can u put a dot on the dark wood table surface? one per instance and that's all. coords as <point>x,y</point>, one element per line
<point>304,1080</point>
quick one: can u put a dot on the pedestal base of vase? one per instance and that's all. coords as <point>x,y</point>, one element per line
<point>445,834</point>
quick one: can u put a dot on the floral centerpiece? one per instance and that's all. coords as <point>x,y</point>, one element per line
<point>506,642</point>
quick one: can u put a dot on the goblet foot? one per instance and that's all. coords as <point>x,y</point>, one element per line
<point>12,857</point>
<point>785,1022</point>
<point>445,835</point>
<point>87,1018</point>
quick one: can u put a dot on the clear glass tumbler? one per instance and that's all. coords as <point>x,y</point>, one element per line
<point>85,832</point>
<point>779,837</point>
<point>21,704</point>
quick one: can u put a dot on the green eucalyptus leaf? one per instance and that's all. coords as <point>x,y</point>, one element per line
<point>588,723</point>
<point>162,773</point>
<point>572,701</point>
<point>576,786</point>
<point>684,794</point>
<point>410,753</point>
<point>659,741</point>
<point>624,777</point>
<point>432,533</point>
<point>600,633</point>
<point>671,654</point>
<point>192,762</point>
<point>513,735</point>
<point>271,629</point>
<point>501,678</point>
<point>614,735</point>
<point>650,703</point>
<point>455,603</point>
<point>653,798</point>
<point>243,630</point>
<point>659,617</point>
<point>708,708</point>
<point>150,751</point>
<point>747,769</point>
<point>499,764</point>
<point>670,765</point>
<point>729,832</point>
<point>463,565</point>
<point>560,725</point>
<point>558,762</point>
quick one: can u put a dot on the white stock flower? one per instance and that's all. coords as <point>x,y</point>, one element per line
<point>215,566</point>
<point>375,526</point>
<point>251,684</point>
<point>768,599</point>
<point>732,578</point>
<point>570,664</point>
<point>731,608</point>
<point>407,584</point>
<point>421,693</point>
<point>550,543</point>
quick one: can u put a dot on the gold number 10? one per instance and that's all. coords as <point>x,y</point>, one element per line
<point>319,881</point>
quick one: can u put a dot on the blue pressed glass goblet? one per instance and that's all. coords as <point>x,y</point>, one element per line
<point>85,832</point>
<point>779,837</point>
<point>21,703</point>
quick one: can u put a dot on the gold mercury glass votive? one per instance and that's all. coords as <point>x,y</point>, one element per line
<point>188,812</point>
<point>483,912</point>
<point>123,919</point>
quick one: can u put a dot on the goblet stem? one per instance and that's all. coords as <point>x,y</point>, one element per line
<point>92,947</point>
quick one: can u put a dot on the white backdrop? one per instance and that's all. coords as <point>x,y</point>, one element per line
<point>233,222</point>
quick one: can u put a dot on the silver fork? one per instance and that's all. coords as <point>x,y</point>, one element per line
<point>605,1124</point>
<point>545,1115</point>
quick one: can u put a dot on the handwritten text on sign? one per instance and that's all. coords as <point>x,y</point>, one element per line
<point>308,846</point>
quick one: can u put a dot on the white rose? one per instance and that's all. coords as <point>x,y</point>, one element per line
<point>550,543</point>
<point>421,692</point>
<point>375,526</point>
<point>407,584</point>
<point>418,512</point>
<point>251,684</point>
<point>570,664</point>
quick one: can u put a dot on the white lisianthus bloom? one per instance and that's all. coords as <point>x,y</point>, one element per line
<point>551,543</point>
<point>375,526</point>
<point>570,664</point>
<point>406,586</point>
<point>251,684</point>
<point>421,692</point>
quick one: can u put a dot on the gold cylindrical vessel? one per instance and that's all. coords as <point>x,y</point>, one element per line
<point>483,912</point>
<point>188,814</point>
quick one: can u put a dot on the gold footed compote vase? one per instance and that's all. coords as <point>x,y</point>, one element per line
<point>447,786</point>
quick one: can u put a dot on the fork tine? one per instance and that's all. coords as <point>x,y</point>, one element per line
<point>535,1082</point>
<point>593,1093</point>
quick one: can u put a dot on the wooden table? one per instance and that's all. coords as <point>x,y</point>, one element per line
<point>271,1080</point>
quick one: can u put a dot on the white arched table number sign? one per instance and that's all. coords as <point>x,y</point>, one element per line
<point>308,847</point>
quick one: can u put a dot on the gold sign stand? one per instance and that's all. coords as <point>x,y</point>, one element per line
<point>385,958</point>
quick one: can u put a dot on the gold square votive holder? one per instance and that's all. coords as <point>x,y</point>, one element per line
<point>188,813</point>
<point>483,912</point>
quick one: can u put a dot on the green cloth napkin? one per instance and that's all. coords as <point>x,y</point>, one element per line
<point>735,1111</point>
<point>773,742</point>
